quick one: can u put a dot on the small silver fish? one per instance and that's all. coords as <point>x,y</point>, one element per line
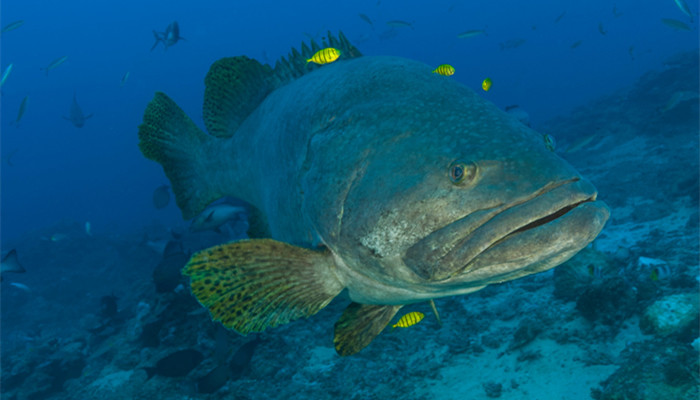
<point>214,217</point>
<point>125,77</point>
<point>366,19</point>
<point>22,109</point>
<point>6,74</point>
<point>683,6</point>
<point>399,24</point>
<point>471,33</point>
<point>675,24</point>
<point>21,286</point>
<point>55,63</point>
<point>12,26</point>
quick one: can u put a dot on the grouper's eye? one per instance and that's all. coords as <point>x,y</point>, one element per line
<point>462,171</point>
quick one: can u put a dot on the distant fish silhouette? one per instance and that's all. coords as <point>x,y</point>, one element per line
<point>161,197</point>
<point>217,377</point>
<point>76,116</point>
<point>170,37</point>
<point>10,263</point>
<point>12,26</point>
<point>22,109</point>
<point>54,64</point>
<point>176,364</point>
<point>215,216</point>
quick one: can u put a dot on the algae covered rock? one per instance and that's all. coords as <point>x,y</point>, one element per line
<point>670,314</point>
<point>655,369</point>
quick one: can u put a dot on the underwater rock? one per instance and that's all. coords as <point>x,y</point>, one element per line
<point>527,332</point>
<point>492,389</point>
<point>655,369</point>
<point>670,314</point>
<point>611,302</point>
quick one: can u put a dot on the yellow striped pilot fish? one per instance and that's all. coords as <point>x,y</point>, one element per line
<point>325,56</point>
<point>444,69</point>
<point>409,319</point>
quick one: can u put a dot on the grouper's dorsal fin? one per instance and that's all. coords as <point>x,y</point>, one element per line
<point>235,86</point>
<point>294,65</point>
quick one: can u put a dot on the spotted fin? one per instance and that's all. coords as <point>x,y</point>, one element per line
<point>255,284</point>
<point>359,325</point>
<point>235,86</point>
<point>168,136</point>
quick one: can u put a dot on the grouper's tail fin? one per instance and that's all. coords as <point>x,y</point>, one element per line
<point>168,136</point>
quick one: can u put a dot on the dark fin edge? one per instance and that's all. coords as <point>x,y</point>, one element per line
<point>251,285</point>
<point>359,325</point>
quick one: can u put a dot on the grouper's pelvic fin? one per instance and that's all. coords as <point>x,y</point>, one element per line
<point>236,86</point>
<point>255,284</point>
<point>359,325</point>
<point>168,136</point>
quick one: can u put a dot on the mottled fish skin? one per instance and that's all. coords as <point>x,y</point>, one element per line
<point>362,151</point>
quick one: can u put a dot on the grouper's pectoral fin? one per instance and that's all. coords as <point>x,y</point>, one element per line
<point>359,325</point>
<point>255,284</point>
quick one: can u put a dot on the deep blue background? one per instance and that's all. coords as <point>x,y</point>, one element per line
<point>98,174</point>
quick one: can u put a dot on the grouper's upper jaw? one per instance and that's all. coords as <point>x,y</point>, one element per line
<point>527,235</point>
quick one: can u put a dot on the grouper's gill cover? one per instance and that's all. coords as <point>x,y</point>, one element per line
<point>415,186</point>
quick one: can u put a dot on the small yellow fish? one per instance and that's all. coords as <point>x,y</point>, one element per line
<point>486,84</point>
<point>409,319</point>
<point>444,69</point>
<point>325,56</point>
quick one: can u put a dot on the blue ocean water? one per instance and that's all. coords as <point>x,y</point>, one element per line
<point>611,82</point>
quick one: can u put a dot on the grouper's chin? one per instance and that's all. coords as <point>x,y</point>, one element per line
<point>531,234</point>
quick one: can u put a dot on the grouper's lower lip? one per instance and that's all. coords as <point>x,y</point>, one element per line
<point>564,213</point>
<point>487,229</point>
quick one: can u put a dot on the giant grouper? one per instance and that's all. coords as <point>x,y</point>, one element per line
<point>370,175</point>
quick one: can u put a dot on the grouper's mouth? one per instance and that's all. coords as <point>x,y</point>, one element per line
<point>561,217</point>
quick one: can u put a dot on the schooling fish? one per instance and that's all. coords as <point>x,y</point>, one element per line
<point>75,115</point>
<point>445,70</point>
<point>324,56</point>
<point>54,64</point>
<point>409,319</point>
<point>373,178</point>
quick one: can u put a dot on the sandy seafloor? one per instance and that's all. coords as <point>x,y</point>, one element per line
<point>580,331</point>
